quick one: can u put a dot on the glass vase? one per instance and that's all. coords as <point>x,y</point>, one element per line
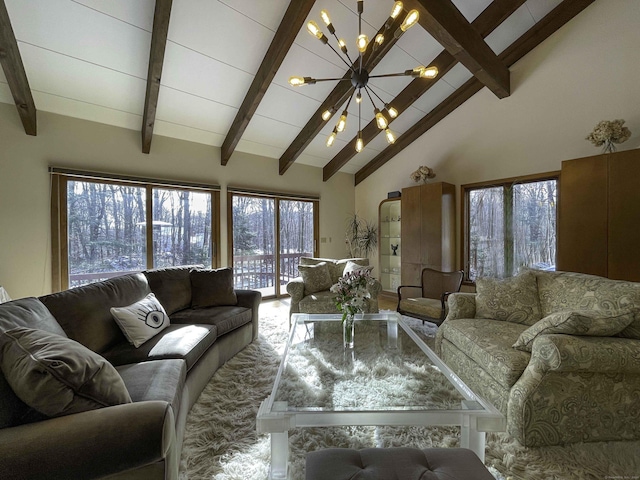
<point>348,330</point>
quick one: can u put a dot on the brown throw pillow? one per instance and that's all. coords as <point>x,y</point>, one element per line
<point>56,375</point>
<point>212,288</point>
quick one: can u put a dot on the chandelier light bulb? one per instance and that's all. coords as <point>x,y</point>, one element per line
<point>379,39</point>
<point>325,17</point>
<point>343,46</point>
<point>332,138</point>
<point>381,120</point>
<point>358,97</point>
<point>391,138</point>
<point>362,43</point>
<point>396,10</point>
<point>313,29</point>
<point>430,72</point>
<point>342,123</point>
<point>359,143</point>
<point>410,20</point>
<point>326,115</point>
<point>296,81</point>
<point>393,113</point>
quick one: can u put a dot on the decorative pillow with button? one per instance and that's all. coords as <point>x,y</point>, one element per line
<point>142,320</point>
<point>58,376</point>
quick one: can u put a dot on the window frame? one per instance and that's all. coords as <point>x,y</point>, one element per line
<point>277,197</point>
<point>504,183</point>
<point>59,224</point>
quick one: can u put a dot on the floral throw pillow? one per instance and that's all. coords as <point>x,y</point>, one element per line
<point>513,299</point>
<point>316,278</point>
<point>581,322</point>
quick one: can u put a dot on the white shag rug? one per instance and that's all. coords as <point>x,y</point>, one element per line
<point>221,442</point>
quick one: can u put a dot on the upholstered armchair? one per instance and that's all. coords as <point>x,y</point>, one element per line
<point>310,291</point>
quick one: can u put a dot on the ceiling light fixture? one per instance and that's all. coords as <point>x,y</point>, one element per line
<point>360,75</point>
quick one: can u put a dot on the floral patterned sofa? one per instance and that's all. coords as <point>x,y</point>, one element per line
<point>558,353</point>
<point>310,291</point>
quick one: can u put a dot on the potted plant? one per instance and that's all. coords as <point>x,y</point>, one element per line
<point>361,236</point>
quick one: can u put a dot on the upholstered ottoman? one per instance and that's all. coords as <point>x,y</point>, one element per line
<point>395,463</point>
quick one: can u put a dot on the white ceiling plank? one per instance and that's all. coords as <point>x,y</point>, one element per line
<point>203,76</point>
<point>47,102</point>
<point>421,46</point>
<point>220,32</point>
<point>471,8</point>
<point>138,12</point>
<point>286,105</point>
<point>539,8</point>
<point>56,74</point>
<point>267,13</point>
<point>433,97</point>
<point>270,132</point>
<point>510,30</point>
<point>189,134</point>
<point>79,32</point>
<point>457,76</point>
<point>260,149</point>
<point>183,109</point>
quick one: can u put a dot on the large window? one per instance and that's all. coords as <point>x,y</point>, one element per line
<point>509,224</point>
<point>268,233</point>
<point>105,226</point>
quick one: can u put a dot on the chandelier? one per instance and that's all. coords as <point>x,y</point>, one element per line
<point>360,72</point>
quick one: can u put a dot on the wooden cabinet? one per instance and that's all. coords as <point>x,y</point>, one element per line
<point>390,246</point>
<point>599,215</point>
<point>427,230</point>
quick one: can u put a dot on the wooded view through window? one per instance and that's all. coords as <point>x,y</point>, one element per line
<point>509,226</point>
<point>108,229</point>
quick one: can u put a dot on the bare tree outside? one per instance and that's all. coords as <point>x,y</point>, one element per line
<point>511,226</point>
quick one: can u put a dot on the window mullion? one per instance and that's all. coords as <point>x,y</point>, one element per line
<point>149,224</point>
<point>508,230</point>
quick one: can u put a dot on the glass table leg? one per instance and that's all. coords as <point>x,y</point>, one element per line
<point>279,455</point>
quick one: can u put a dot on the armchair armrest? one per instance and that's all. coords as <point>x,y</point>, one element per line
<point>462,305</point>
<point>572,353</point>
<point>295,288</point>
<point>406,286</point>
<point>91,444</point>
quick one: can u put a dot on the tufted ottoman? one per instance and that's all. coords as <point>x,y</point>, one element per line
<point>395,464</point>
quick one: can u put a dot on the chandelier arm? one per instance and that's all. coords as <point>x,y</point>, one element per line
<point>401,74</point>
<point>341,79</point>
<point>366,89</point>
<point>374,92</point>
<point>340,56</point>
<point>345,53</point>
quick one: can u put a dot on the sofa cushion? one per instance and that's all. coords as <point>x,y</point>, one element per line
<point>57,376</point>
<point>187,342</point>
<point>489,344</point>
<point>513,299</point>
<point>84,312</point>
<point>225,319</point>
<point>582,322</point>
<point>211,288</point>
<point>336,267</point>
<point>142,320</point>
<point>156,380</point>
<point>562,291</point>
<point>316,278</point>
<point>172,286</point>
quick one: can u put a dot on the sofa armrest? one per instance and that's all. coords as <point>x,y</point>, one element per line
<point>90,444</point>
<point>462,305</point>
<point>251,299</point>
<point>374,288</point>
<point>572,353</point>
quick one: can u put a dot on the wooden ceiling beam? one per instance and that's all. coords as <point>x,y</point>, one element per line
<point>542,30</point>
<point>13,67</point>
<point>485,23</point>
<point>290,25</point>
<point>337,97</point>
<point>161,18</point>
<point>449,27</point>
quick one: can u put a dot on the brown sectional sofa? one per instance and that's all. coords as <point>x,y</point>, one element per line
<point>164,377</point>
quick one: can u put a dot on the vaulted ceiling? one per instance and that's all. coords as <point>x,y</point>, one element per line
<point>216,71</point>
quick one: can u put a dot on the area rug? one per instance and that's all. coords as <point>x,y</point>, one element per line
<point>221,442</point>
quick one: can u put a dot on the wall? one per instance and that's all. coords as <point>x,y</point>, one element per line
<point>25,260</point>
<point>586,72</point>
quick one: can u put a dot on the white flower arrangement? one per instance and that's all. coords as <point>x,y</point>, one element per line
<point>351,292</point>
<point>609,132</point>
<point>422,174</point>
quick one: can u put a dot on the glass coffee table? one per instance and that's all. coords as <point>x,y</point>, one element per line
<point>389,377</point>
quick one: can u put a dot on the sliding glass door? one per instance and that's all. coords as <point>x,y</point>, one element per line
<point>269,235</point>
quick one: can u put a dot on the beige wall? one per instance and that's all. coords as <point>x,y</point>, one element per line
<point>586,72</point>
<point>25,259</point>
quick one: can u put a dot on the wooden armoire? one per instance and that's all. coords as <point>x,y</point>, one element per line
<point>599,215</point>
<point>428,229</point>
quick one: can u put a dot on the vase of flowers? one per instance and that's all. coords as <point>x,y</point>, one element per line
<point>607,133</point>
<point>351,298</point>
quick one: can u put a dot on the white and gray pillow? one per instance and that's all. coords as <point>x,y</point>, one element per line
<point>142,320</point>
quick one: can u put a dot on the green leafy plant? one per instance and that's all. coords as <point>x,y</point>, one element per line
<point>361,236</point>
